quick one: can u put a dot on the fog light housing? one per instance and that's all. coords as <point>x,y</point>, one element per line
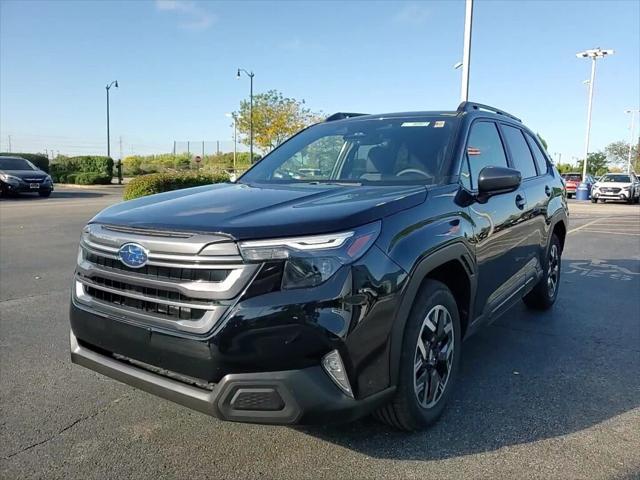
<point>332,364</point>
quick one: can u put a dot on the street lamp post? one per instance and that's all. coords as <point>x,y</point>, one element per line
<point>108,87</point>
<point>632,141</point>
<point>250,75</point>
<point>235,136</point>
<point>466,55</point>
<point>583,193</point>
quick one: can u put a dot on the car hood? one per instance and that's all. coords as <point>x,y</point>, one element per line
<point>262,211</point>
<point>23,174</point>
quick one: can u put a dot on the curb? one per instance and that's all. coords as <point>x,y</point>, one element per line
<point>88,187</point>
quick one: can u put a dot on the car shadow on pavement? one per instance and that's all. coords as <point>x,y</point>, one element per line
<point>528,377</point>
<point>28,197</point>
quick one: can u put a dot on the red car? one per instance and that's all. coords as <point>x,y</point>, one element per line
<point>572,180</point>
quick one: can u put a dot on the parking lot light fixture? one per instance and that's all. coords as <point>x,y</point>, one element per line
<point>250,75</point>
<point>108,87</point>
<point>593,54</point>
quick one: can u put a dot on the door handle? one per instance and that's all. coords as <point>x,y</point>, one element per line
<point>547,191</point>
<point>520,201</point>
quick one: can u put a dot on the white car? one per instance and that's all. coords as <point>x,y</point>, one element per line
<point>616,186</point>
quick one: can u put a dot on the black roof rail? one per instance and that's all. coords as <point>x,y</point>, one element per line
<point>469,106</point>
<point>342,116</point>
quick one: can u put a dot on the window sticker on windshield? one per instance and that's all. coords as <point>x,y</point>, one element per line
<point>439,124</point>
<point>415,124</point>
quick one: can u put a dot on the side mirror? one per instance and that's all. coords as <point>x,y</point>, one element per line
<point>496,180</point>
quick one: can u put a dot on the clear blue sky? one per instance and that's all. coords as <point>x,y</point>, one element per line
<point>176,64</point>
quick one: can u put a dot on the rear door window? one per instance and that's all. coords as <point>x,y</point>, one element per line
<point>484,149</point>
<point>520,153</point>
<point>541,160</point>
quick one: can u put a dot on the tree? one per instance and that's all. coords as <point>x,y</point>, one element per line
<point>275,118</point>
<point>618,154</point>
<point>597,164</point>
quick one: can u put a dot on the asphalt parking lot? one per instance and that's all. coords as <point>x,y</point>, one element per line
<point>551,395</point>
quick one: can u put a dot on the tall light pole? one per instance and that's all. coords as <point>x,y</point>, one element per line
<point>633,139</point>
<point>108,87</point>
<point>235,136</point>
<point>250,75</point>
<point>466,54</point>
<point>593,54</point>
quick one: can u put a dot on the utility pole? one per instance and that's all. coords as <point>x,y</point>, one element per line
<point>466,55</point>
<point>633,139</point>
<point>120,164</point>
<point>217,147</point>
<point>203,149</point>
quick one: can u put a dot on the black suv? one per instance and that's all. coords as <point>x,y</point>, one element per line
<point>337,277</point>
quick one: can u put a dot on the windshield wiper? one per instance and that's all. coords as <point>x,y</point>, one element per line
<point>334,182</point>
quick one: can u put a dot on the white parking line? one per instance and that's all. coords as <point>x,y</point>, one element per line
<point>609,232</point>
<point>582,226</point>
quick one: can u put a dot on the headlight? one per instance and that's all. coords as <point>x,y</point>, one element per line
<point>312,260</point>
<point>628,187</point>
<point>9,178</point>
<point>48,179</point>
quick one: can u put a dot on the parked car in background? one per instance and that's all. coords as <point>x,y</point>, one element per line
<point>18,175</point>
<point>572,180</point>
<point>616,186</point>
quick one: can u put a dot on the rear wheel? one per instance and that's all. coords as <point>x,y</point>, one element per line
<point>429,360</point>
<point>544,294</point>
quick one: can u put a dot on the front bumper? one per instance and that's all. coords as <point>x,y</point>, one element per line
<point>303,396</point>
<point>26,187</point>
<point>621,195</point>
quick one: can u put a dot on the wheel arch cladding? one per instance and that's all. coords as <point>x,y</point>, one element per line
<point>560,230</point>
<point>453,265</point>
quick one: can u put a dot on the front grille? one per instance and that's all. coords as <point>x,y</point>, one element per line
<point>179,288</point>
<point>169,273</point>
<point>170,312</point>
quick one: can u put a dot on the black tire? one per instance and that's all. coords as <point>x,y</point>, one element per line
<point>544,294</point>
<point>594,200</point>
<point>405,411</point>
<point>44,194</point>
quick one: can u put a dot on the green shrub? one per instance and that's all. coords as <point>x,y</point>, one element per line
<point>89,178</point>
<point>164,182</point>
<point>64,167</point>
<point>40,160</point>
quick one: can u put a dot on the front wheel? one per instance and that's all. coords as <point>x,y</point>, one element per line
<point>544,294</point>
<point>45,194</point>
<point>594,200</point>
<point>429,361</point>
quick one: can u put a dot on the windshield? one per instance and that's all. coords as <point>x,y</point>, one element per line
<point>394,150</point>
<point>7,163</point>
<point>616,178</point>
<point>572,177</point>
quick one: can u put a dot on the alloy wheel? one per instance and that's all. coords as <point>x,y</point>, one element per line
<point>433,357</point>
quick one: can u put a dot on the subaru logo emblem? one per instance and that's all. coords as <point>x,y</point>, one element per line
<point>133,255</point>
